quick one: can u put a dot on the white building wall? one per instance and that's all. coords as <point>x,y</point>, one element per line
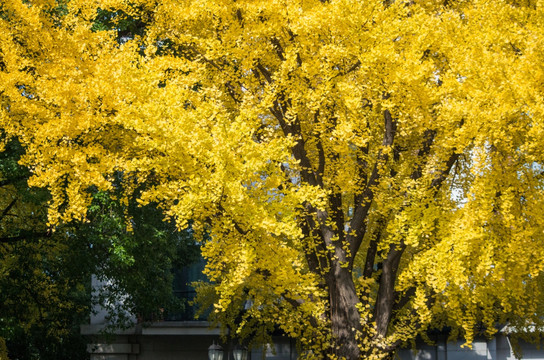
<point>99,315</point>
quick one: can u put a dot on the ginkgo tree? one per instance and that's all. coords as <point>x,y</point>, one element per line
<point>363,170</point>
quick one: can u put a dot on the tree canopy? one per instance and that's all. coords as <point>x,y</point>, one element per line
<point>45,271</point>
<point>365,170</point>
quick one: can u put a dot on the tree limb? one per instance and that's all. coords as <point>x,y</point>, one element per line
<point>368,269</point>
<point>437,182</point>
<point>386,293</point>
<point>297,304</point>
<point>7,209</point>
<point>25,235</point>
<point>12,180</point>
<point>279,49</point>
<point>265,72</point>
<point>358,222</point>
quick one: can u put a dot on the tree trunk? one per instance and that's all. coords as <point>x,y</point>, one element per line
<point>345,318</point>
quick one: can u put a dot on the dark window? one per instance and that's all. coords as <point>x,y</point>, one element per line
<point>183,278</point>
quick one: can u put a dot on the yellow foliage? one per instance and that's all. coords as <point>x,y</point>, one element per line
<point>366,150</point>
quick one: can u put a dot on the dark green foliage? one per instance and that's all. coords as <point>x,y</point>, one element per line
<point>141,250</point>
<point>45,273</point>
<point>44,294</point>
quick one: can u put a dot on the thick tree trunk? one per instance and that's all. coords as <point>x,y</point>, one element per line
<point>345,318</point>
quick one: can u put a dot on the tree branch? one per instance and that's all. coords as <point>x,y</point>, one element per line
<point>12,180</point>
<point>279,49</point>
<point>387,300</point>
<point>232,93</point>
<point>7,209</point>
<point>315,261</point>
<point>402,299</point>
<point>297,304</point>
<point>362,164</point>
<point>25,235</point>
<point>437,182</point>
<point>265,72</point>
<point>236,225</point>
<point>368,269</point>
<point>423,152</point>
<point>358,222</point>
<point>351,69</point>
<point>386,293</point>
<point>335,201</point>
<point>299,151</point>
<point>320,150</point>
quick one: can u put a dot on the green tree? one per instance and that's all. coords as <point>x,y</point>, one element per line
<point>45,271</point>
<point>44,293</point>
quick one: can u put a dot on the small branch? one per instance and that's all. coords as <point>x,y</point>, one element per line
<point>12,180</point>
<point>292,37</point>
<point>437,182</point>
<point>362,165</point>
<point>317,256</point>
<point>403,299</point>
<point>7,209</point>
<point>265,72</point>
<point>390,129</point>
<point>25,235</point>
<point>236,225</point>
<point>296,304</point>
<point>351,69</point>
<point>211,62</point>
<point>335,200</point>
<point>239,17</point>
<point>321,159</point>
<point>299,150</point>
<point>358,222</point>
<point>279,49</point>
<point>320,151</point>
<point>232,92</point>
<point>423,152</point>
<point>368,270</point>
<point>277,111</point>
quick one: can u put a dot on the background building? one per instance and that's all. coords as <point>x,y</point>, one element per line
<point>181,336</point>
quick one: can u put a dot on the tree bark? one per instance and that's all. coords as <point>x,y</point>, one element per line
<point>386,292</point>
<point>345,318</point>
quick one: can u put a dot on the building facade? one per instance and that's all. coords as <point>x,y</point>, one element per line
<point>190,340</point>
<point>180,336</point>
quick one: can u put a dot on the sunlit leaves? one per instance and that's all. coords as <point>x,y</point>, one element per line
<point>303,138</point>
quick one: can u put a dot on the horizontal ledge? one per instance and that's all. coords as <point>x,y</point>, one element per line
<point>181,328</point>
<point>157,328</point>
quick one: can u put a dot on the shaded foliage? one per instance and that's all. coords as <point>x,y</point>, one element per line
<point>45,271</point>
